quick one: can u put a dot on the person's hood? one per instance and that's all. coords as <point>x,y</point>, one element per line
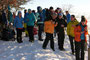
<point>44,11</point>
<point>39,8</point>
<point>18,13</point>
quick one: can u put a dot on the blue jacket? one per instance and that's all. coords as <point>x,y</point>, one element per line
<point>40,18</point>
<point>68,18</point>
<point>25,17</point>
<point>82,35</point>
<point>18,23</point>
<point>31,19</point>
<point>44,13</point>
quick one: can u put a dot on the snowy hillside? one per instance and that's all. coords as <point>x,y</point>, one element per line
<point>11,50</point>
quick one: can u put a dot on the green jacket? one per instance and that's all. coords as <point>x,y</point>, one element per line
<point>31,19</point>
<point>70,27</point>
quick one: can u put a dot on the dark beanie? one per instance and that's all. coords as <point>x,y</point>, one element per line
<point>83,20</point>
<point>51,7</point>
<point>73,16</point>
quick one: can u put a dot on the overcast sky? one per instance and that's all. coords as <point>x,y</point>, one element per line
<point>81,7</point>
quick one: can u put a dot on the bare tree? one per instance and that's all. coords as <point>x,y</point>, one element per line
<point>66,7</point>
<point>12,3</point>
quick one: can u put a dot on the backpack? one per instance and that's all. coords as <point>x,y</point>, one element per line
<point>7,34</point>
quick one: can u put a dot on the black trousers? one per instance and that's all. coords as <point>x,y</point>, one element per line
<point>49,37</point>
<point>41,28</point>
<point>30,32</point>
<point>79,46</point>
<point>19,35</point>
<point>72,43</point>
<point>61,40</point>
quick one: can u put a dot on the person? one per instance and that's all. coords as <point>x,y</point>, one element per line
<point>57,10</point>
<point>60,11</point>
<point>70,31</point>
<point>60,31</point>
<point>25,25</point>
<point>68,16</point>
<point>0,22</point>
<point>49,30</point>
<point>83,17</point>
<point>30,24</point>
<point>80,39</point>
<point>18,24</point>
<point>40,22</point>
<point>44,13</point>
<point>13,17</point>
<point>49,12</point>
<point>4,19</point>
<point>10,17</point>
<point>0,17</point>
<point>34,12</point>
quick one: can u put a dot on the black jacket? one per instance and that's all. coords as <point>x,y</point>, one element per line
<point>60,22</point>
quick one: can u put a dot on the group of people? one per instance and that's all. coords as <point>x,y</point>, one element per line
<point>53,22</point>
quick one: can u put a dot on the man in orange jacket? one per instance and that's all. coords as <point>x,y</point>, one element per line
<point>49,26</point>
<point>80,39</point>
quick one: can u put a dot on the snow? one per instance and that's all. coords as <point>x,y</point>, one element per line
<point>11,50</point>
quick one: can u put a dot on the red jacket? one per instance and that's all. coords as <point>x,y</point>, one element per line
<point>86,22</point>
<point>77,32</point>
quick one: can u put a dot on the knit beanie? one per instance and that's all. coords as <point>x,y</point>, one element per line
<point>60,14</point>
<point>83,20</point>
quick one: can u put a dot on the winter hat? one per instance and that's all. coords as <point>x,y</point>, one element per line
<point>19,12</point>
<point>83,20</point>
<point>51,7</point>
<point>60,9</point>
<point>25,10</point>
<point>82,16</point>
<point>73,16</point>
<point>60,14</point>
<point>29,10</point>
<point>39,8</point>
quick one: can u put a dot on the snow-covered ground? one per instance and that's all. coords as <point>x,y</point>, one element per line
<point>11,50</point>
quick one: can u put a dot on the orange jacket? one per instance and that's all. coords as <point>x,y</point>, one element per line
<point>77,32</point>
<point>49,26</point>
